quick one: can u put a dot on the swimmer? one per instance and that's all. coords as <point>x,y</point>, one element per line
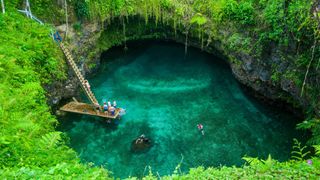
<point>200,128</point>
<point>122,112</point>
<point>139,140</point>
<point>142,136</point>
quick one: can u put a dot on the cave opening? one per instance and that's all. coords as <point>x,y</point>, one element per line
<point>166,94</point>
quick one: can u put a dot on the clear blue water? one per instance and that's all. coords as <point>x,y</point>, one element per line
<point>166,95</point>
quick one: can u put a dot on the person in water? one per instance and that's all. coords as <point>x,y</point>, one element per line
<point>141,144</point>
<point>200,128</point>
<point>142,139</point>
<point>139,141</point>
<point>122,112</point>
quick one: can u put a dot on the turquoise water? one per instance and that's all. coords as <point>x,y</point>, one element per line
<point>166,95</point>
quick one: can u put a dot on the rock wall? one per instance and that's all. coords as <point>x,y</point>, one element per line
<point>251,70</point>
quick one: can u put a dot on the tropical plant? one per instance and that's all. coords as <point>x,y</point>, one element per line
<point>299,153</point>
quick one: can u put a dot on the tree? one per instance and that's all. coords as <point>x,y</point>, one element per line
<point>66,10</point>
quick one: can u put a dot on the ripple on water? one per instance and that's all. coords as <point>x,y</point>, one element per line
<point>161,82</point>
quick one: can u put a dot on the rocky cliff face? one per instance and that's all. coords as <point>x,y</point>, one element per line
<point>80,45</point>
<point>255,71</point>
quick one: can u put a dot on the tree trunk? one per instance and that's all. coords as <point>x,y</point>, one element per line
<point>66,10</point>
<point>124,33</point>
<point>308,68</point>
<point>186,44</point>
<point>3,9</point>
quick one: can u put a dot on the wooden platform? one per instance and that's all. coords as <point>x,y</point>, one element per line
<point>83,108</point>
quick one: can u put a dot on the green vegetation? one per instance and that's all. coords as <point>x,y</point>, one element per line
<point>253,27</point>
<point>28,142</point>
<point>31,148</point>
<point>81,9</point>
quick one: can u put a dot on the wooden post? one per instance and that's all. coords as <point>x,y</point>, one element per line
<point>3,8</point>
<point>75,100</point>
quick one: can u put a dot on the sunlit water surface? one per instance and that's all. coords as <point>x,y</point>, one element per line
<point>166,95</point>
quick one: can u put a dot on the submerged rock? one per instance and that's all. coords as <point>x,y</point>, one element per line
<point>141,144</point>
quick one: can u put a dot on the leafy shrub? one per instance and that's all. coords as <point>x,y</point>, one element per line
<point>299,153</point>
<point>81,9</point>
<point>314,125</point>
<point>77,26</point>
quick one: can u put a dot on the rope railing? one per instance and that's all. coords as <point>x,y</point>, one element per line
<point>27,11</point>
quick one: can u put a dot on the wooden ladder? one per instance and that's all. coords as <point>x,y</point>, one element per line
<point>80,77</point>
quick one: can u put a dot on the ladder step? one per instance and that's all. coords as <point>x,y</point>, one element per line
<point>77,71</point>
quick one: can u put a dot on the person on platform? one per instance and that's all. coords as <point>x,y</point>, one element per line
<point>105,108</point>
<point>97,108</point>
<point>114,104</point>
<point>112,110</point>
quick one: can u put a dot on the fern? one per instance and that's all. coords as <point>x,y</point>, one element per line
<point>317,149</point>
<point>255,161</point>
<point>269,161</point>
<point>4,140</point>
<point>51,139</point>
<point>262,165</point>
<point>299,152</point>
<point>304,125</point>
<point>314,126</point>
<point>251,160</point>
